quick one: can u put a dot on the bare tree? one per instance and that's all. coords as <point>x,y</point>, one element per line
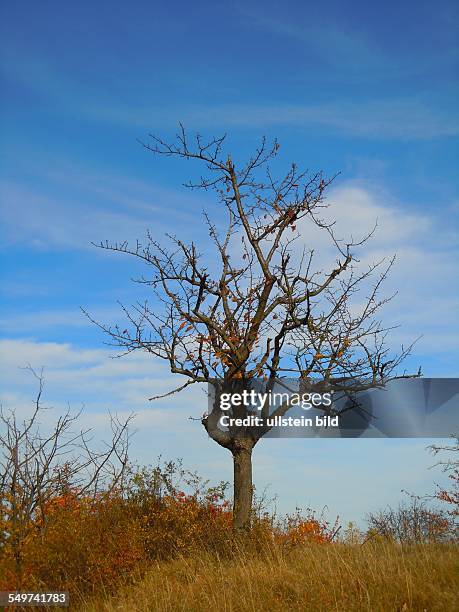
<point>37,464</point>
<point>263,308</point>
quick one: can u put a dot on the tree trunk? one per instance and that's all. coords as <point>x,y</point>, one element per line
<point>243,487</point>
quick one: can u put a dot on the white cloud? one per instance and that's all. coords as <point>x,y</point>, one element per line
<point>90,377</point>
<point>90,380</point>
<point>425,272</point>
<point>356,208</point>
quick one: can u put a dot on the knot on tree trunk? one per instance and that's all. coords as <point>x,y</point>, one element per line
<point>242,445</point>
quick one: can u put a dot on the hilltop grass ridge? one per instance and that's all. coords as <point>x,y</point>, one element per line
<point>377,576</point>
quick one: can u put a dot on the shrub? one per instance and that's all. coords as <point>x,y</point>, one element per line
<point>410,523</point>
<point>89,542</point>
<point>305,527</point>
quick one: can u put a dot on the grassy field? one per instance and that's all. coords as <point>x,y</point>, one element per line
<point>374,576</point>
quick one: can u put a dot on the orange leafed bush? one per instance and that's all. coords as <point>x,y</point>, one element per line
<point>302,530</point>
<point>86,543</point>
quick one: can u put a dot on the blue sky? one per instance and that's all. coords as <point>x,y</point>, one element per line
<point>369,90</point>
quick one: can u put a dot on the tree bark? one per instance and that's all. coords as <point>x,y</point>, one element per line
<point>243,486</point>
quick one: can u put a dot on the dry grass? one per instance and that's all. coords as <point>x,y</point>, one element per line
<point>377,576</point>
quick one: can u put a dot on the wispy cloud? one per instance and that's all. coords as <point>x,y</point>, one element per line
<point>394,118</point>
<point>32,321</point>
<point>331,43</point>
<point>73,209</point>
<point>93,377</point>
<point>344,51</point>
